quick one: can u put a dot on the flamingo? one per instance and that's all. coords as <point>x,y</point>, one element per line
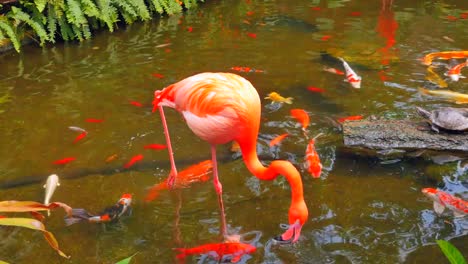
<point>224,107</point>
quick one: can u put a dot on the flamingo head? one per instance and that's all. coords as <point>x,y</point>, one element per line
<point>298,215</point>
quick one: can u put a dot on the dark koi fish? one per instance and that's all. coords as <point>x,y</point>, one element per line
<point>109,214</point>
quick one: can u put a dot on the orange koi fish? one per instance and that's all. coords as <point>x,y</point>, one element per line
<point>235,147</point>
<point>80,137</point>
<point>189,29</point>
<point>454,72</point>
<point>444,200</point>
<point>351,76</point>
<point>235,249</point>
<point>278,139</point>
<point>135,103</point>
<point>333,70</point>
<point>109,214</point>
<point>133,160</point>
<point>155,146</point>
<point>92,120</point>
<point>111,158</point>
<point>195,173</point>
<point>64,161</point>
<point>158,75</point>
<point>356,117</point>
<point>252,35</point>
<point>326,37</point>
<point>276,97</point>
<point>444,55</point>
<point>301,116</point>
<point>433,77</point>
<point>246,69</point>
<point>312,159</point>
<point>315,89</point>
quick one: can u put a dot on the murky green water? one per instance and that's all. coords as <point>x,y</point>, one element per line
<point>361,211</point>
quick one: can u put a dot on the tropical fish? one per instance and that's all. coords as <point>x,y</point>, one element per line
<point>444,200</point>
<point>355,117</point>
<point>301,116</point>
<point>351,76</point>
<point>326,37</point>
<point>135,103</point>
<point>252,35</point>
<point>111,158</point>
<point>77,129</point>
<point>276,97</point>
<point>454,72</point>
<point>109,214</point>
<point>435,78</point>
<point>278,139</point>
<point>458,98</point>
<point>236,249</point>
<point>235,147</point>
<point>158,75</point>
<point>245,69</point>
<point>64,161</point>
<point>133,160</point>
<point>92,120</point>
<point>195,173</point>
<point>333,70</point>
<point>444,55</point>
<point>312,159</point>
<point>155,146</point>
<point>80,137</point>
<point>51,184</point>
<point>315,89</point>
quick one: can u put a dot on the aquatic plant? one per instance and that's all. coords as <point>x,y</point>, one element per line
<point>451,252</point>
<point>124,261</point>
<point>44,20</point>
<point>32,223</point>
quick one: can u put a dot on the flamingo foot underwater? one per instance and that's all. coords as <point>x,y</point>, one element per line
<point>224,107</point>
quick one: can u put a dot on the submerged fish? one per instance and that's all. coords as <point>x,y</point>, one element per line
<point>195,173</point>
<point>433,77</point>
<point>64,161</point>
<point>50,186</point>
<point>458,98</point>
<point>355,117</point>
<point>278,139</point>
<point>235,249</point>
<point>444,55</point>
<point>351,76</point>
<point>312,159</point>
<point>109,214</point>
<point>301,116</point>
<point>155,146</point>
<point>276,97</point>
<point>444,200</point>
<point>333,70</point>
<point>80,137</point>
<point>454,72</point>
<point>133,160</point>
<point>77,129</point>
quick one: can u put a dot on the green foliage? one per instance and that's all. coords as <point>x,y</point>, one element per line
<point>451,252</point>
<point>75,19</point>
<point>126,260</point>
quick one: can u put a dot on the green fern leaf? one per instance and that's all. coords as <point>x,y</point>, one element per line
<point>51,22</point>
<point>65,30</point>
<point>38,28</point>
<point>40,5</point>
<point>127,11</point>
<point>86,31</point>
<point>108,13</point>
<point>157,6</point>
<point>141,9</point>
<point>77,32</point>
<point>74,13</point>
<point>89,8</point>
<point>7,28</point>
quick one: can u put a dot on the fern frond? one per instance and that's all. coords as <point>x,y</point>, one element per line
<point>7,28</point>
<point>89,8</point>
<point>108,13</point>
<point>141,9</point>
<point>51,22</point>
<point>77,32</point>
<point>156,5</point>
<point>65,30</point>
<point>74,14</point>
<point>40,5</point>
<point>86,31</point>
<point>38,28</point>
<point>127,11</point>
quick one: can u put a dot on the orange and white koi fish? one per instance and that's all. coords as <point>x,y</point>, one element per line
<point>155,146</point>
<point>444,55</point>
<point>444,200</point>
<point>195,173</point>
<point>312,159</point>
<point>278,139</point>
<point>356,117</point>
<point>458,98</point>
<point>454,72</point>
<point>333,70</point>
<point>109,214</point>
<point>234,249</point>
<point>301,116</point>
<point>133,160</point>
<point>433,77</point>
<point>64,161</point>
<point>276,97</point>
<point>80,137</point>
<point>246,69</point>
<point>351,76</point>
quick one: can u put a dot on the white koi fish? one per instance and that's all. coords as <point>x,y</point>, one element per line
<point>51,183</point>
<point>351,76</point>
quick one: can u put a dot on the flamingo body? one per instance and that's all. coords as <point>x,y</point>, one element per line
<point>222,107</point>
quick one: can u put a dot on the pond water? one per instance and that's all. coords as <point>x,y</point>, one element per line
<point>362,209</point>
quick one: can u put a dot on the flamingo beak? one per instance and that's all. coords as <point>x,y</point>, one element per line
<point>291,235</point>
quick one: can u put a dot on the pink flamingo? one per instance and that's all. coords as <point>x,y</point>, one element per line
<point>222,107</point>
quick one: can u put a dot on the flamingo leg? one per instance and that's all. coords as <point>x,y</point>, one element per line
<point>219,190</point>
<point>173,173</point>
